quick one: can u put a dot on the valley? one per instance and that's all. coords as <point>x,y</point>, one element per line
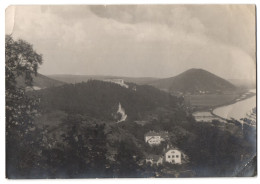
<point>105,122</point>
<point>126,115</point>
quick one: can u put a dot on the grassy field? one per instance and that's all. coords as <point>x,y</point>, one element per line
<point>209,100</point>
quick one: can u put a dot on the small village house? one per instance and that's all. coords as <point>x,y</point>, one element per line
<point>173,155</point>
<point>170,155</point>
<point>155,138</point>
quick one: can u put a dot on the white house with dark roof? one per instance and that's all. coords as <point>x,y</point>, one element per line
<point>155,138</point>
<point>170,155</point>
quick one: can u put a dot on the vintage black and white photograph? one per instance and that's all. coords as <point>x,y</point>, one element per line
<point>130,91</point>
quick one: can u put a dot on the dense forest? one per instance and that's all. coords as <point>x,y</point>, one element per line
<point>100,99</point>
<point>79,142</point>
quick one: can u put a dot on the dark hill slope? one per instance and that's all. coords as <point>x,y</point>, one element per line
<point>194,81</point>
<point>40,81</point>
<point>101,99</point>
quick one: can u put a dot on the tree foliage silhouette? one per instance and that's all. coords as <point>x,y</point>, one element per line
<point>22,61</point>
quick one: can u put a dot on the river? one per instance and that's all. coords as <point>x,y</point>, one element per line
<point>238,110</point>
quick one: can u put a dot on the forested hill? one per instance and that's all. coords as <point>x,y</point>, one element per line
<point>194,81</point>
<point>100,99</point>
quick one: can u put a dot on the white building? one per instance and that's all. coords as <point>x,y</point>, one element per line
<point>155,138</point>
<point>173,155</point>
<point>117,81</point>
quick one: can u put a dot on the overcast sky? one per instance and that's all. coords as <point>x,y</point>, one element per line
<point>139,41</point>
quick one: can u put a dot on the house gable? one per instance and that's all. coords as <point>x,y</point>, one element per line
<point>173,156</point>
<point>155,138</point>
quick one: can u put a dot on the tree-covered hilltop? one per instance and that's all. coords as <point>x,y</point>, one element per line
<point>100,99</point>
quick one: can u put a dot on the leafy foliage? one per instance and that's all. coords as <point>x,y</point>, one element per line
<point>21,139</point>
<point>126,160</point>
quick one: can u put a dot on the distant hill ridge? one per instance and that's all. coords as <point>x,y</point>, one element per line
<point>194,81</point>
<point>40,81</point>
<point>191,81</point>
<point>84,78</point>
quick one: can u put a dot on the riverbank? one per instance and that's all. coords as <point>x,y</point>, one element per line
<point>238,111</point>
<point>241,98</point>
<point>207,113</point>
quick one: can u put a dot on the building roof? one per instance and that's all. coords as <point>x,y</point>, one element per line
<point>172,148</point>
<point>150,138</point>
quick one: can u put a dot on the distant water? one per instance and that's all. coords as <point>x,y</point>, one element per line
<point>237,110</point>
